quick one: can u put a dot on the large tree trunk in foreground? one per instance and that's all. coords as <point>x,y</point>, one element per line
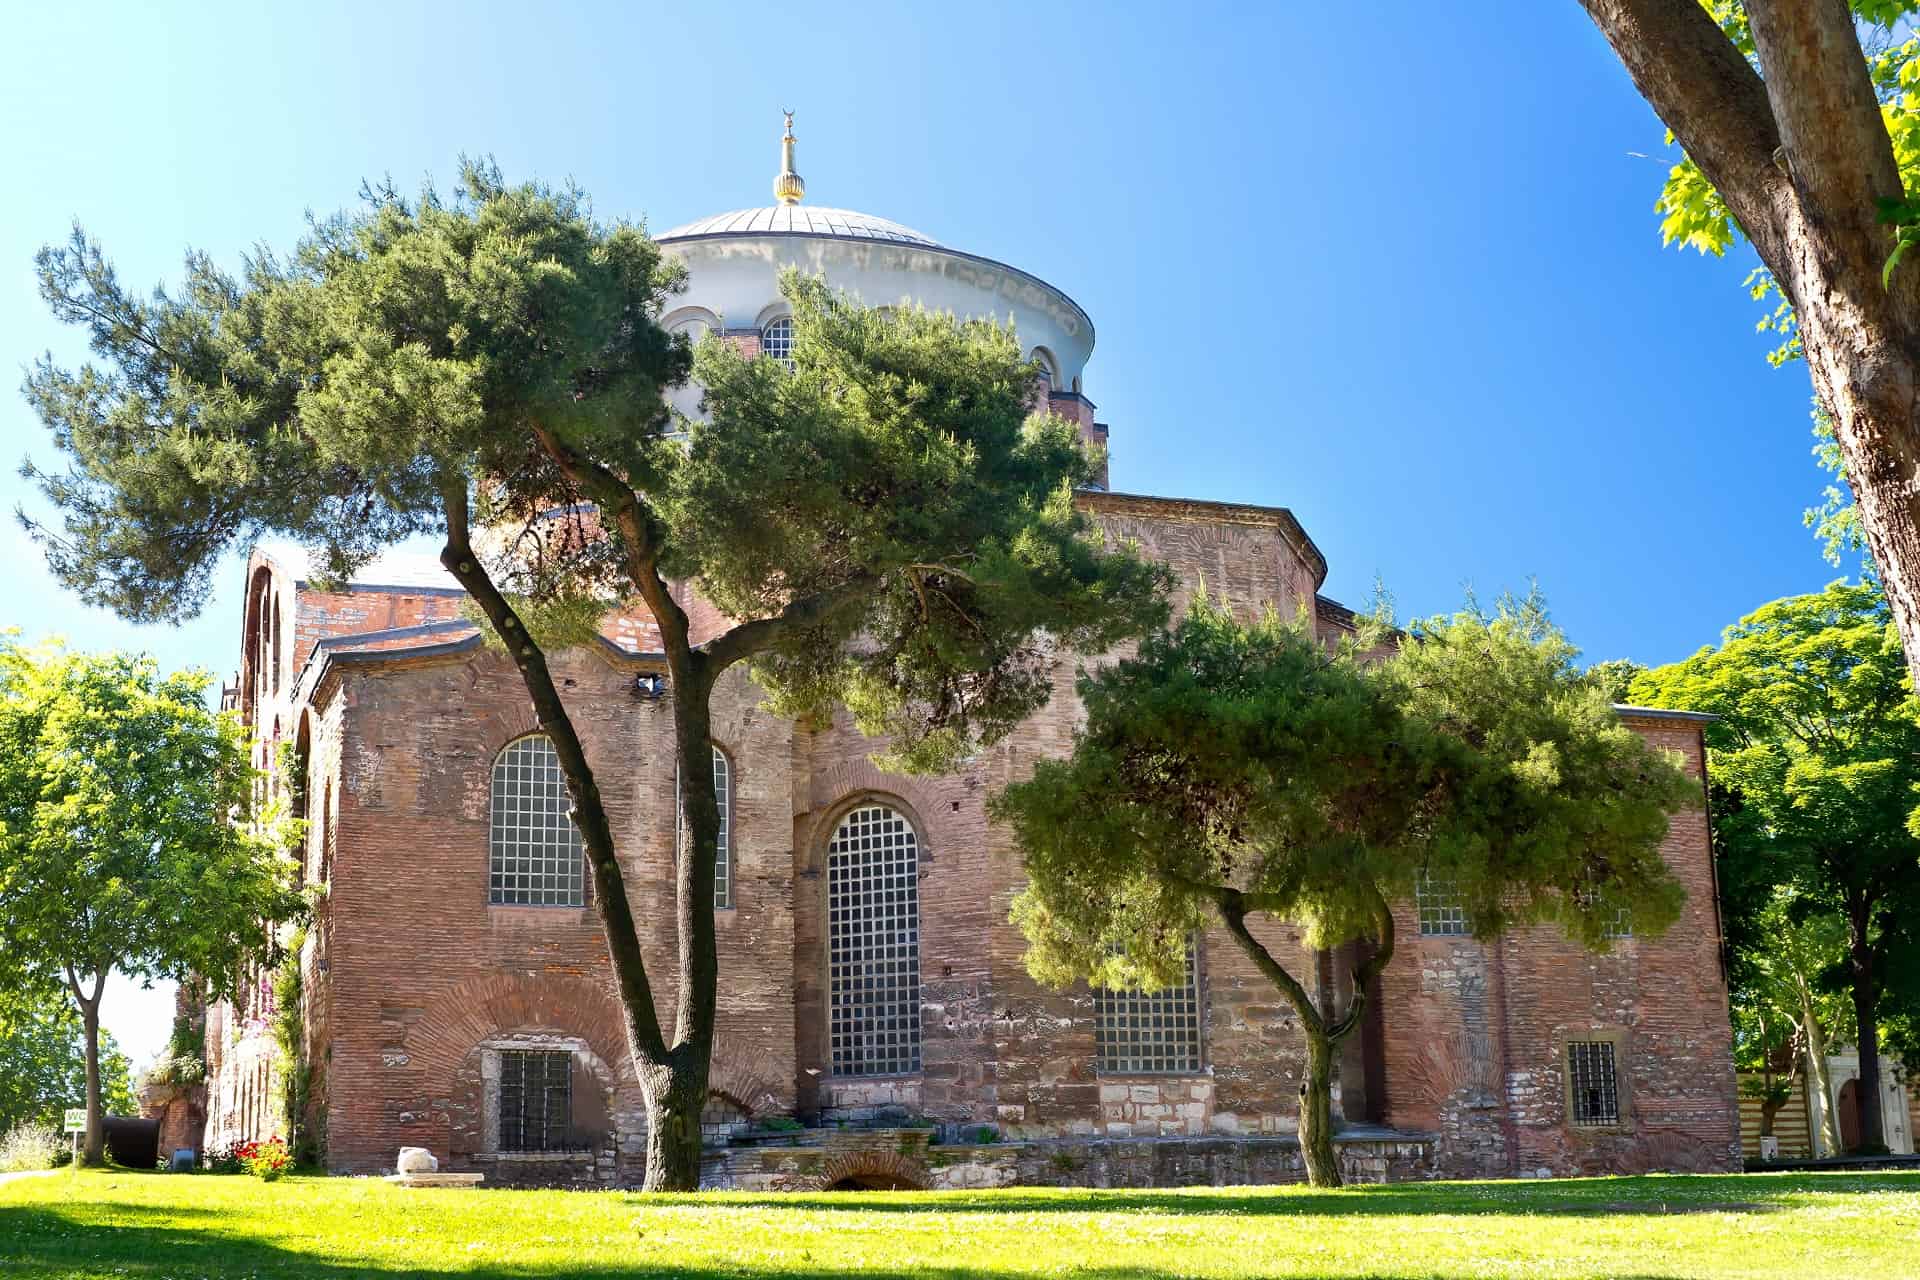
<point>1316,1114</point>
<point>1801,159</point>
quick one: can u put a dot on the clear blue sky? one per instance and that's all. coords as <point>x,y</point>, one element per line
<point>1400,276</point>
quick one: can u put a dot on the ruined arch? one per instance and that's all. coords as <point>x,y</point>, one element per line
<point>872,1171</point>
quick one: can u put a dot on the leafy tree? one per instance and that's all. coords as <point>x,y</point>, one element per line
<point>1231,771</point>
<point>43,1061</point>
<point>1782,1011</point>
<point>1818,736</point>
<point>882,522</point>
<point>1615,677</point>
<point>1800,122</point>
<point>119,844</point>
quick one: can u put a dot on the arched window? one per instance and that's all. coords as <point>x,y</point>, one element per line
<point>723,853</point>
<point>276,645</point>
<point>1150,1033</point>
<point>776,340</point>
<point>329,825</point>
<point>1049,371</point>
<point>534,854</point>
<point>873,943</point>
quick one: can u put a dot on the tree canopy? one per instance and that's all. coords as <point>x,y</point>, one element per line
<point>1233,769</point>
<point>129,840</point>
<point>1816,751</point>
<point>884,520</point>
<point>43,1061</point>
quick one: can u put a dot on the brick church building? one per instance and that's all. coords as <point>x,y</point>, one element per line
<point>455,992</point>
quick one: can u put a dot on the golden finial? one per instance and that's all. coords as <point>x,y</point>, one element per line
<point>789,186</point>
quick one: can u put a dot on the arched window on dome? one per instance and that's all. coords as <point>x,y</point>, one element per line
<point>776,340</point>
<point>535,857</point>
<point>1049,370</point>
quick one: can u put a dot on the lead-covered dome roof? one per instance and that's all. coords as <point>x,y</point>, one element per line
<point>800,220</point>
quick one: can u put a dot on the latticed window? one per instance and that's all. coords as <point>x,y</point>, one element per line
<point>535,856</point>
<point>776,340</point>
<point>536,1099</point>
<point>873,943</point>
<point>1443,911</point>
<point>1150,1033</point>
<point>1593,1089</point>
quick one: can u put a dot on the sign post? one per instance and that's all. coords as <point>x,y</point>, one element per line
<point>74,1121</point>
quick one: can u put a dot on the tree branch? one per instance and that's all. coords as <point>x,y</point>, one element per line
<point>1839,157</point>
<point>1698,83</point>
<point>589,812</point>
<point>1374,965</point>
<point>1231,904</point>
<point>745,639</point>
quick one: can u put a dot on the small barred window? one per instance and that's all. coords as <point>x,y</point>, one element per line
<point>536,1099</point>
<point>535,855</point>
<point>873,943</point>
<point>1443,911</point>
<point>1593,1089</point>
<point>1618,925</point>
<point>1150,1033</point>
<point>776,340</point>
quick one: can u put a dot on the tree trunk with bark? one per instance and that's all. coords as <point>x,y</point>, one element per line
<point>1818,1072</point>
<point>1866,1025</point>
<point>1323,1032</point>
<point>94,1150</point>
<point>1801,159</point>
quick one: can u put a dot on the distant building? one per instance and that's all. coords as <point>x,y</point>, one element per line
<point>456,994</point>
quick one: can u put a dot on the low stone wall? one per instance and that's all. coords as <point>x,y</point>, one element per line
<point>885,1158</point>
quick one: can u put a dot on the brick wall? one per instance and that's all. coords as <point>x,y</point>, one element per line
<point>414,980</point>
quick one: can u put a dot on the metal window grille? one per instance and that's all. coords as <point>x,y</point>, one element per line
<point>776,340</point>
<point>873,944</point>
<point>723,847</point>
<point>1594,1087</point>
<point>535,856</point>
<point>1619,925</point>
<point>722,859</point>
<point>1157,1033</point>
<point>536,1099</point>
<point>1443,911</point>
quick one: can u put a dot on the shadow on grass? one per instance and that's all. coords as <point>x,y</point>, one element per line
<point>1591,1197</point>
<point>41,1243</point>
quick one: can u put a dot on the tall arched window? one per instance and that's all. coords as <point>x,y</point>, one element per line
<point>873,943</point>
<point>276,645</point>
<point>534,854</point>
<point>723,853</point>
<point>776,340</point>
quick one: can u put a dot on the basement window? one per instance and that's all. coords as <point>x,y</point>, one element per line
<point>536,1099</point>
<point>1593,1087</point>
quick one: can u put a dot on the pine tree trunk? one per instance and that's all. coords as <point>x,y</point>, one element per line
<point>1316,1113</point>
<point>94,1152</point>
<point>675,1099</point>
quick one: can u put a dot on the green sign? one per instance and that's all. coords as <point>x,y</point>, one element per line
<point>76,1120</point>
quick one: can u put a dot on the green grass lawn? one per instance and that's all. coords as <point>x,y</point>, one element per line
<point>202,1227</point>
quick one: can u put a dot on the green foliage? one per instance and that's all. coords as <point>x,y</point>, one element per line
<point>1815,756</point>
<point>1246,757</point>
<point>1836,521</point>
<point>29,1146</point>
<point>897,472</point>
<point>1615,677</point>
<point>184,1060</point>
<point>119,792</point>
<point>43,1064</point>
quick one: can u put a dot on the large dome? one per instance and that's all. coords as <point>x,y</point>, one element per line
<point>799,220</point>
